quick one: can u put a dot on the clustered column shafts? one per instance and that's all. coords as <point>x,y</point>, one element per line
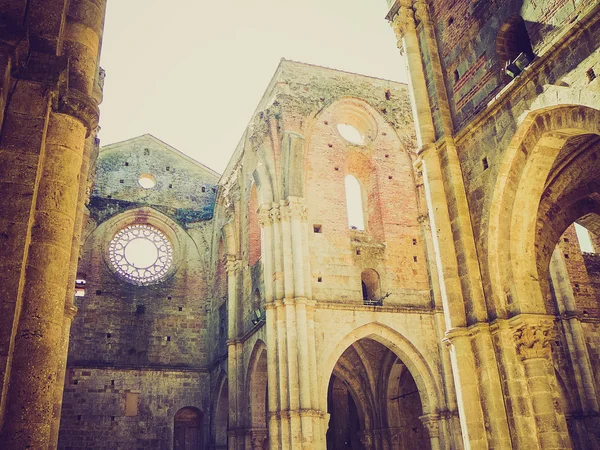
<point>294,419</point>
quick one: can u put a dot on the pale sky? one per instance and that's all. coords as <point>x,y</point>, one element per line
<point>191,72</point>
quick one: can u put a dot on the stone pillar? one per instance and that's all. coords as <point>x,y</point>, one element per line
<point>516,392</point>
<point>70,309</point>
<point>533,344</point>
<point>33,380</point>
<point>574,334</point>
<point>431,422</point>
<point>464,369</point>
<point>234,267</point>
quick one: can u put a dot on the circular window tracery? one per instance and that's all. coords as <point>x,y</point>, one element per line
<point>141,254</point>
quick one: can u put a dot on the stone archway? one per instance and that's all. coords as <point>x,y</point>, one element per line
<point>546,140</point>
<point>380,394</point>
<point>188,429</point>
<point>221,416</point>
<point>257,397</point>
<point>373,401</point>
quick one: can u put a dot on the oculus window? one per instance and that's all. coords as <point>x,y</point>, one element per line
<point>141,254</point>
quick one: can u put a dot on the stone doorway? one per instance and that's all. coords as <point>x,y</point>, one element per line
<point>187,434</point>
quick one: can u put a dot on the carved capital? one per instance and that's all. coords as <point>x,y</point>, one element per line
<point>432,424</point>
<point>534,341</point>
<point>264,216</point>
<point>403,22</point>
<point>422,13</point>
<point>234,266</point>
<point>275,215</point>
<point>258,439</point>
<point>297,209</point>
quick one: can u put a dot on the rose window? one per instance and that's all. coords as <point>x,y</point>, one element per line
<point>141,254</point>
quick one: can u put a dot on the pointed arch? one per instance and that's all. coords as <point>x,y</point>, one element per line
<point>257,386</point>
<point>402,347</point>
<point>519,187</point>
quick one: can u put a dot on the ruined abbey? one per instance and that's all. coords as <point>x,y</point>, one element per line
<point>381,266</point>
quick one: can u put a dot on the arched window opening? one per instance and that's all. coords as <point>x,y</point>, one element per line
<point>187,433</point>
<point>584,238</point>
<point>254,231</point>
<point>513,46</point>
<point>354,204</point>
<point>370,287</point>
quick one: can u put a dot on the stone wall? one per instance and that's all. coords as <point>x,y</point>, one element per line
<point>141,347</point>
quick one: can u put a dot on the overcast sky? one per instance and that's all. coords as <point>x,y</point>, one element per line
<point>191,72</point>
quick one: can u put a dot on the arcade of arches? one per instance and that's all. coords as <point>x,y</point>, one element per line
<point>381,266</point>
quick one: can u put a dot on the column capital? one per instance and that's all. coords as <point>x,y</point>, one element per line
<point>275,214</point>
<point>234,266</point>
<point>264,216</point>
<point>403,22</point>
<point>431,422</point>
<point>297,208</point>
<point>258,437</point>
<point>534,340</point>
<point>422,11</point>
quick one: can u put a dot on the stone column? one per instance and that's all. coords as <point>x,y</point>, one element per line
<point>464,369</point>
<point>574,334</point>
<point>30,398</point>
<point>234,267</point>
<point>90,149</point>
<point>271,327</point>
<point>516,392</point>
<point>533,345</point>
<point>431,422</point>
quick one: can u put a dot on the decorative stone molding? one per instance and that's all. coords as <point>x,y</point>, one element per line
<point>403,22</point>
<point>264,216</point>
<point>82,107</point>
<point>422,13</point>
<point>431,422</point>
<point>533,341</point>
<point>275,215</point>
<point>258,438</point>
<point>234,266</point>
<point>70,310</point>
<point>297,208</point>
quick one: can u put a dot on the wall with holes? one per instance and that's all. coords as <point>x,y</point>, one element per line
<point>139,343</point>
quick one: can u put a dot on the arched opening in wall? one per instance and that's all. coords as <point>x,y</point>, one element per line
<point>221,417</point>
<point>354,204</point>
<point>574,271</point>
<point>550,179</point>
<point>371,287</point>
<point>187,434</point>
<point>254,231</point>
<point>368,412</point>
<point>513,46</point>
<point>257,392</point>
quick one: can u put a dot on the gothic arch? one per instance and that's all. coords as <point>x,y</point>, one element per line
<point>402,347</point>
<point>220,421</point>
<point>257,385</point>
<point>519,187</point>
